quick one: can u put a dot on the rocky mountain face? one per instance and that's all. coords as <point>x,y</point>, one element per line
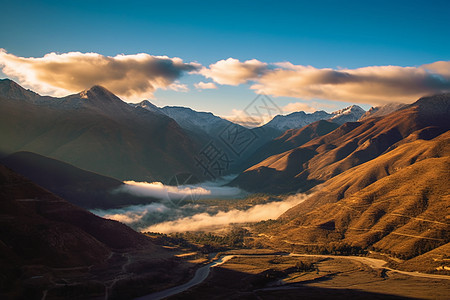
<point>96,131</point>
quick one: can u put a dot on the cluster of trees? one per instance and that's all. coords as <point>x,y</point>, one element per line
<point>204,242</point>
<point>330,249</point>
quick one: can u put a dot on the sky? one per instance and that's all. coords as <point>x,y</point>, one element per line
<point>217,56</point>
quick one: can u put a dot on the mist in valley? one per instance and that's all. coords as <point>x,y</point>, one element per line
<point>180,208</point>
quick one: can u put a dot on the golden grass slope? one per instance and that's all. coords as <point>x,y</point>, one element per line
<point>350,145</point>
<point>397,203</point>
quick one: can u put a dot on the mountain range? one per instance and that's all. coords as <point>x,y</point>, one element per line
<point>380,184</point>
<point>300,119</point>
<point>375,181</point>
<point>351,144</point>
<point>96,131</point>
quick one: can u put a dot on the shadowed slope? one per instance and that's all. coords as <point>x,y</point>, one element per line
<point>51,247</point>
<point>96,131</point>
<point>80,187</point>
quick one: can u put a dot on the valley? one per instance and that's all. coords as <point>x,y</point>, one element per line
<point>342,204</point>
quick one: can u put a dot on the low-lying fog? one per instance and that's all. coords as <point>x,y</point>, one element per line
<point>179,210</point>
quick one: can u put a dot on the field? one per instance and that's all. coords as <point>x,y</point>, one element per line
<point>286,277</point>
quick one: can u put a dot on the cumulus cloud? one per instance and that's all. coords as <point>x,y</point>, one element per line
<point>374,85</point>
<point>205,85</point>
<point>204,221</point>
<point>132,77</point>
<point>439,67</point>
<point>233,72</point>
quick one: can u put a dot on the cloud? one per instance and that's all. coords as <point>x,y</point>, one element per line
<point>233,72</point>
<point>163,216</point>
<point>133,77</point>
<point>373,85</point>
<point>204,221</point>
<point>169,203</point>
<point>205,85</point>
<point>298,106</point>
<point>439,67</point>
<point>244,119</point>
<point>178,87</point>
<point>376,85</point>
<point>168,193</point>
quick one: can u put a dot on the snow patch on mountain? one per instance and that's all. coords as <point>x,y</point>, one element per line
<point>300,119</point>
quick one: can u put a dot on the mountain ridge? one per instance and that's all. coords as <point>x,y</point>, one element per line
<point>93,128</point>
<point>349,145</point>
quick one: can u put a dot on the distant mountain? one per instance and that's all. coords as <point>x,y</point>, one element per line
<point>196,121</point>
<point>351,144</point>
<point>300,119</point>
<point>51,248</point>
<point>206,128</point>
<point>379,111</point>
<point>349,114</point>
<point>296,120</point>
<point>96,131</point>
<point>80,187</point>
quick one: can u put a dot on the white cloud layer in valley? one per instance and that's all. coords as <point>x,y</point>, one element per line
<point>177,208</point>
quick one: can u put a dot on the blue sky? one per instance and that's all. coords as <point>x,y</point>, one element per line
<point>322,34</point>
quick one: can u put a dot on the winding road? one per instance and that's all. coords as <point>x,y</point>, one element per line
<point>202,273</point>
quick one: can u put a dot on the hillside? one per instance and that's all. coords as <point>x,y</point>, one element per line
<point>350,145</point>
<point>48,244</point>
<point>290,139</point>
<point>79,187</point>
<point>396,204</point>
<point>95,131</point>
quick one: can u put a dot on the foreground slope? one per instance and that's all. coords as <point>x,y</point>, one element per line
<point>49,246</point>
<point>96,131</point>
